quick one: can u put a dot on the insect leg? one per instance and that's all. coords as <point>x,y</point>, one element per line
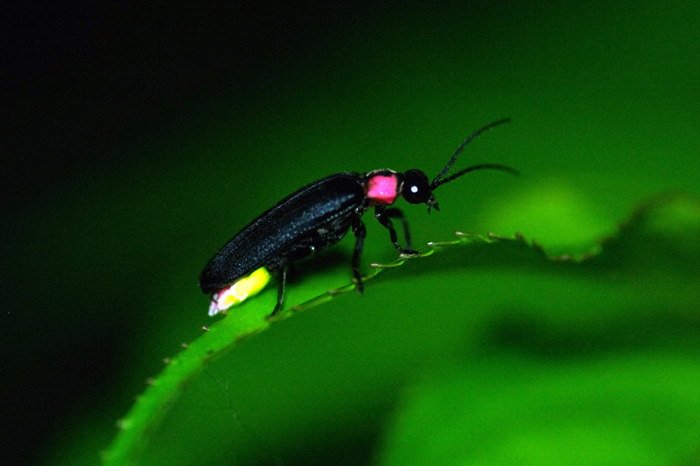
<point>397,213</point>
<point>281,281</point>
<point>360,233</point>
<point>383,216</point>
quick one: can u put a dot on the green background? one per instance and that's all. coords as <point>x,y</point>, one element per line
<point>170,129</point>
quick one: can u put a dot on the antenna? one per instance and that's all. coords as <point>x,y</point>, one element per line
<point>438,179</point>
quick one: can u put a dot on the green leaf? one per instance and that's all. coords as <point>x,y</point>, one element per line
<point>333,369</point>
<point>629,409</point>
<point>614,408</point>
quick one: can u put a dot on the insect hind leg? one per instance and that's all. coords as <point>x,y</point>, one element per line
<point>280,272</point>
<point>360,233</point>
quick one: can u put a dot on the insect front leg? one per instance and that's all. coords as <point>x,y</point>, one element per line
<point>360,233</point>
<point>397,213</point>
<point>384,215</point>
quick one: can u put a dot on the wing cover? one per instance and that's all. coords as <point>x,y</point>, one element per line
<point>329,202</point>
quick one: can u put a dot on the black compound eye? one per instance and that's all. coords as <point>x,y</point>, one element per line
<point>416,187</point>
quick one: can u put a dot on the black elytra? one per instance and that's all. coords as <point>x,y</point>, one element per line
<point>320,214</point>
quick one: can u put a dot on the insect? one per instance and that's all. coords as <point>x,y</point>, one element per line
<point>319,215</point>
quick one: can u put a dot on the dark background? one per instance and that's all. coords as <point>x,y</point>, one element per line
<point>80,81</point>
<point>129,129</point>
